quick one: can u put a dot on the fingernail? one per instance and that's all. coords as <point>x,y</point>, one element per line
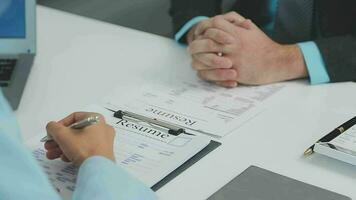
<point>234,84</point>
<point>229,64</point>
<point>233,74</point>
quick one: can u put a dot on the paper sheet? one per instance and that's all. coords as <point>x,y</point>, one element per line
<point>147,153</point>
<point>197,105</point>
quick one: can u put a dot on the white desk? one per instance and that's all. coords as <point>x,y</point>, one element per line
<point>80,59</point>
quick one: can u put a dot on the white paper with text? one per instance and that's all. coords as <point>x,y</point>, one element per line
<point>196,104</point>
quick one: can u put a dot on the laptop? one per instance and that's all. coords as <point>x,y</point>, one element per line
<point>17,46</point>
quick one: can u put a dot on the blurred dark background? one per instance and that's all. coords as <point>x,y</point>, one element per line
<point>146,15</point>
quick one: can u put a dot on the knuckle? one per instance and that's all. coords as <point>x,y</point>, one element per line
<point>226,62</point>
<point>50,125</point>
<point>237,16</point>
<point>219,73</point>
<point>218,35</point>
<point>210,45</point>
<point>225,39</point>
<point>216,61</point>
<point>92,114</point>
<point>78,113</point>
<point>209,33</point>
<point>225,74</point>
<point>217,21</point>
<point>233,13</point>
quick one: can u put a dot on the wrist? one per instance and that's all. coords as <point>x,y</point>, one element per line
<point>96,157</point>
<point>190,35</point>
<point>292,61</point>
<point>85,156</point>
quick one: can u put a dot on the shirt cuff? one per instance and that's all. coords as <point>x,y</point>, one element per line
<point>187,26</point>
<point>100,178</point>
<point>314,63</point>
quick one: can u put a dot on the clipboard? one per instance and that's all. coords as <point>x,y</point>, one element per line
<point>174,130</point>
<point>211,147</point>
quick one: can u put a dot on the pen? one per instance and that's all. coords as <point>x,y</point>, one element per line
<point>333,134</point>
<point>77,125</point>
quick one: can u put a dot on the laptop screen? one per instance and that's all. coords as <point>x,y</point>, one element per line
<point>12,19</point>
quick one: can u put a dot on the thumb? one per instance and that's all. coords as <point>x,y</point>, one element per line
<point>58,131</point>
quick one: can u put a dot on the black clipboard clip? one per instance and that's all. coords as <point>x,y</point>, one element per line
<point>172,129</point>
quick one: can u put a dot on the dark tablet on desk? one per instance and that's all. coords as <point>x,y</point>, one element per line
<point>259,184</point>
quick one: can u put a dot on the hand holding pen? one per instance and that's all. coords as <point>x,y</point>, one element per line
<point>77,125</point>
<point>75,140</point>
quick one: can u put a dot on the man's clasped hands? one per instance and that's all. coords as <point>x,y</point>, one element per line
<point>230,50</point>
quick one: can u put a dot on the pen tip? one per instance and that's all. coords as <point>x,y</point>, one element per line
<point>308,152</point>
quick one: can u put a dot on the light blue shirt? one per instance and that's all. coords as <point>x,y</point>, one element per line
<point>312,56</point>
<point>22,178</point>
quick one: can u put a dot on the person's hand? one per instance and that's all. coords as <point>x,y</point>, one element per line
<point>76,145</point>
<point>197,31</point>
<point>256,59</point>
<point>200,36</point>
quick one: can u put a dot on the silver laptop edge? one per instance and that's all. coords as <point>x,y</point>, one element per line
<point>23,50</point>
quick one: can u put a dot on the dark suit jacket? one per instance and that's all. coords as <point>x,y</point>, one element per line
<point>334,25</point>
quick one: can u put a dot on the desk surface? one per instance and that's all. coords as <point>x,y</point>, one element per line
<point>79,60</point>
